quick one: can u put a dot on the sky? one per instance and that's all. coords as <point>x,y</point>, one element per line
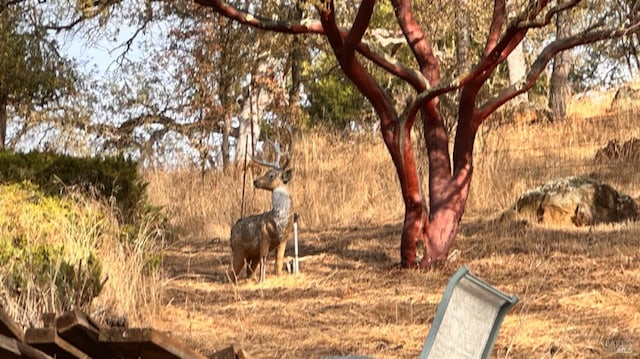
<point>101,55</point>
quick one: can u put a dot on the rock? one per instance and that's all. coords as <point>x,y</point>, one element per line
<point>626,97</point>
<point>523,114</point>
<point>580,201</point>
<point>615,151</point>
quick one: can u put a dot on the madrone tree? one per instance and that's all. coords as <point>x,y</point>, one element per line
<point>435,220</point>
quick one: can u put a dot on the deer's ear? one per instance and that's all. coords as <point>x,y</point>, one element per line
<point>287,175</point>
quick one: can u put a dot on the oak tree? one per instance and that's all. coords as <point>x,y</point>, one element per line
<point>33,72</point>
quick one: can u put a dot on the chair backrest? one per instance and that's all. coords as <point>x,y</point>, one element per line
<point>467,320</point>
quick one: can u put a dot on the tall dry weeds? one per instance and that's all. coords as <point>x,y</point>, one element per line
<point>513,158</point>
<point>350,181</point>
<point>336,182</point>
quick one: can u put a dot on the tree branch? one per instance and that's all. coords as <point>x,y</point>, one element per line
<point>246,18</point>
<point>360,25</point>
<point>545,56</point>
<point>417,41</point>
<point>531,23</point>
<point>497,21</point>
<point>415,78</point>
<point>499,52</point>
<point>391,65</point>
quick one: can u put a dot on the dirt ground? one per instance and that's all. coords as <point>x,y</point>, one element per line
<point>579,293</point>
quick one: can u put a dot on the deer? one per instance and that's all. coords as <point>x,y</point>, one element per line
<point>254,237</point>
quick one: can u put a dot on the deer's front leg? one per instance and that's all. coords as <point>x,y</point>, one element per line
<point>280,257</point>
<point>264,253</point>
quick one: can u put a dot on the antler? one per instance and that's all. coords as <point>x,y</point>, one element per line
<point>276,148</point>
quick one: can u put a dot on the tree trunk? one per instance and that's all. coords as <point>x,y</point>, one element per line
<point>295,57</point>
<point>249,130</point>
<point>517,71</point>
<point>463,37</point>
<point>559,89</point>
<point>448,189</point>
<point>516,63</point>
<point>226,131</point>
<point>226,102</point>
<point>4,103</point>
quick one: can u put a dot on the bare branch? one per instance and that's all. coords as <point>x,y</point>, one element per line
<point>246,18</point>
<point>549,15</point>
<point>415,78</point>
<point>497,52</point>
<point>127,44</point>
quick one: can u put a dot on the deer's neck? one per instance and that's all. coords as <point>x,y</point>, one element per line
<point>281,207</point>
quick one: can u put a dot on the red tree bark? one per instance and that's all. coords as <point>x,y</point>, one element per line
<point>436,223</point>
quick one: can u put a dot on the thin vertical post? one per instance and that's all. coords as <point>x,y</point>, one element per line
<point>296,263</point>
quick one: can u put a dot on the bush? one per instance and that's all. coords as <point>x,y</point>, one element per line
<point>111,177</point>
<point>48,248</point>
<point>56,253</point>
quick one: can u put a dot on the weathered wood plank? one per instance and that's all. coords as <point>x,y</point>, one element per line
<point>146,343</point>
<point>82,332</point>
<point>48,341</point>
<point>8,327</point>
<point>226,353</point>
<point>49,320</point>
<point>232,352</point>
<point>11,348</point>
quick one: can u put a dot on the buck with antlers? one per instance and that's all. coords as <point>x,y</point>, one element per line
<point>253,237</point>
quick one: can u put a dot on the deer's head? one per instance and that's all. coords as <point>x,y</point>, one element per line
<point>279,173</point>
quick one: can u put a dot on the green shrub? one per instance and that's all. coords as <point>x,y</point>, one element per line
<point>111,177</point>
<point>57,251</point>
<point>42,255</point>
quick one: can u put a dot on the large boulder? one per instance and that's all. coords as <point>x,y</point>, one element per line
<point>626,97</point>
<point>580,201</point>
<point>621,152</point>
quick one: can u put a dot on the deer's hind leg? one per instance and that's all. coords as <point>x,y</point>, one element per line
<point>265,242</point>
<point>264,254</point>
<point>238,263</point>
<point>252,264</point>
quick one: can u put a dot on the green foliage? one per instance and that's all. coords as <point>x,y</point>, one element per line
<point>40,252</point>
<point>56,252</point>
<point>111,177</point>
<point>32,70</point>
<point>334,101</point>
<point>47,265</point>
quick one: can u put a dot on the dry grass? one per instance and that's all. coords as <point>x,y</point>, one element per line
<point>578,288</point>
<point>353,180</point>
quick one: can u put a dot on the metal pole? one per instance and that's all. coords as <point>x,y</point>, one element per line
<point>296,263</point>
